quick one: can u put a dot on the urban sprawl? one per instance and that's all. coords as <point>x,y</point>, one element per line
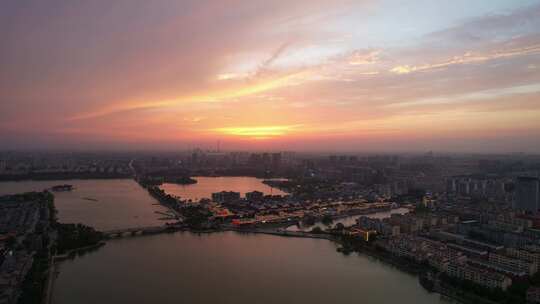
<point>469,225</point>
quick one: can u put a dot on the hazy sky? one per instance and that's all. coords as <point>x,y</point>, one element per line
<point>410,75</point>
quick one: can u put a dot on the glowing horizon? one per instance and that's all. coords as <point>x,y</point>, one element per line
<point>308,75</point>
<point>257,132</point>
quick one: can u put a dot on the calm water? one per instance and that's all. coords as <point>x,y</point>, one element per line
<point>102,204</point>
<point>350,220</point>
<point>210,268</point>
<point>231,268</point>
<point>205,186</point>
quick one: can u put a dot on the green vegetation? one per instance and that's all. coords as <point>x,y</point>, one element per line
<point>33,286</point>
<point>346,250</point>
<point>73,236</point>
<point>421,209</point>
<point>317,230</point>
<point>353,242</point>
<point>196,216</point>
<point>327,219</point>
<point>514,295</point>
<point>184,180</point>
<point>309,220</point>
<point>339,227</point>
<point>51,207</point>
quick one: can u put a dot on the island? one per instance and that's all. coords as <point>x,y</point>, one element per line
<point>184,180</point>
<point>62,188</point>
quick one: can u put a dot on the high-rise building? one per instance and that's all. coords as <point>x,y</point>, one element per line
<point>528,194</point>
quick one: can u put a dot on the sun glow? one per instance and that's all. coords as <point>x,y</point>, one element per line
<point>260,132</point>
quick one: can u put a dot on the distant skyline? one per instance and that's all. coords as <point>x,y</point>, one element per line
<point>342,75</point>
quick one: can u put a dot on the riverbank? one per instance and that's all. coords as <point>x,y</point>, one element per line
<point>166,267</point>
<point>75,251</point>
<point>60,176</point>
<point>371,251</point>
<point>457,294</point>
<point>346,247</point>
<point>53,272</point>
<point>260,230</point>
<point>70,240</point>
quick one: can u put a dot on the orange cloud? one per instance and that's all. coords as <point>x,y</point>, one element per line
<point>467,58</point>
<point>219,96</point>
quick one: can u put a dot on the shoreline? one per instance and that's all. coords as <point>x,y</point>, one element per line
<point>54,271</point>
<point>279,229</point>
<point>367,252</point>
<point>71,252</point>
<point>4,179</point>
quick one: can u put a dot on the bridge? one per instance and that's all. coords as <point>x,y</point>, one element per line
<point>137,231</point>
<point>119,233</point>
<point>283,232</point>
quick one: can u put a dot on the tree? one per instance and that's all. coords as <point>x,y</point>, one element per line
<point>327,219</point>
<point>11,241</point>
<point>339,226</point>
<point>317,230</point>
<point>309,220</point>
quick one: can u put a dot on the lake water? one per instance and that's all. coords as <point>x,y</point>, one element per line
<point>349,220</point>
<point>102,204</point>
<point>205,186</point>
<point>231,268</point>
<point>210,268</point>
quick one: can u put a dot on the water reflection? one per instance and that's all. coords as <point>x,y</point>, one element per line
<point>349,220</point>
<point>103,204</point>
<point>205,186</point>
<point>231,268</point>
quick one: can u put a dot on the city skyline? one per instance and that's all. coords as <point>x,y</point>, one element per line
<point>269,75</point>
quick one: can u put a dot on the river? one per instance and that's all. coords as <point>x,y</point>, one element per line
<point>231,268</point>
<point>102,204</point>
<point>209,268</point>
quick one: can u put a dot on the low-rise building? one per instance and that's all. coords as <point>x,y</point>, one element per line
<point>225,196</point>
<point>523,254</point>
<point>513,263</point>
<point>478,275</point>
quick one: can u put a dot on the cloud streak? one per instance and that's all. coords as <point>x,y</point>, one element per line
<point>344,72</point>
<point>468,58</point>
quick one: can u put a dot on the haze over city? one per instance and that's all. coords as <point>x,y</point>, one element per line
<point>459,76</point>
<point>270,151</point>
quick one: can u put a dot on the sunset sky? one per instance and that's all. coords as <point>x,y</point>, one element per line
<point>314,75</point>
